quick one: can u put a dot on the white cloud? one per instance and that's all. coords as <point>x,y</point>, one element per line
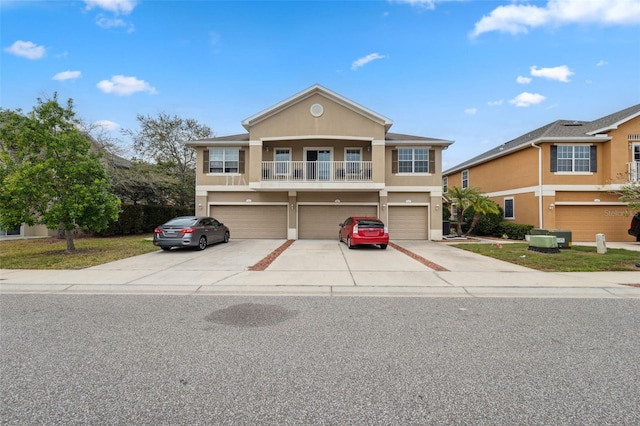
<point>471,111</point>
<point>123,7</point>
<point>427,4</point>
<point>519,18</point>
<point>67,75</point>
<point>601,63</point>
<point>26,49</point>
<point>106,22</point>
<point>526,99</point>
<point>106,125</point>
<point>123,85</point>
<point>523,80</point>
<point>495,103</point>
<point>363,61</point>
<point>561,73</point>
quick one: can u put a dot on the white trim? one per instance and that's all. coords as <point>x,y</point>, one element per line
<point>305,137</point>
<point>590,203</point>
<point>421,189</point>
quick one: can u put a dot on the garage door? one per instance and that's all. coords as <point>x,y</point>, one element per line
<point>408,223</point>
<point>321,222</point>
<point>253,221</point>
<point>585,222</point>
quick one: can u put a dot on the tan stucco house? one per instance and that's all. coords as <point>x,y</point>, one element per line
<point>309,162</point>
<point>562,176</point>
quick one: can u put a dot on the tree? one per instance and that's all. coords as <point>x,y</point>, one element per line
<point>461,199</point>
<point>465,198</point>
<point>49,174</point>
<point>162,139</point>
<point>630,194</point>
<point>481,206</point>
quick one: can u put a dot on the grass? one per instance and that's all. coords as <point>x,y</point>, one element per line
<point>575,259</point>
<point>51,253</point>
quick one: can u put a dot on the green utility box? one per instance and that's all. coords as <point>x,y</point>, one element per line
<point>544,243</point>
<point>562,236</point>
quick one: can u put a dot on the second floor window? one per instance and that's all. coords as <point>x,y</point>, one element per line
<point>413,160</point>
<point>445,184</point>
<point>224,160</point>
<point>573,158</point>
<point>465,179</point>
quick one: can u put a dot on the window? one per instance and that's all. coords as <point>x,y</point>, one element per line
<point>508,208</point>
<point>454,212</point>
<point>224,160</point>
<point>282,158</point>
<point>465,179</point>
<point>445,184</point>
<point>573,158</point>
<point>413,160</point>
<point>353,158</point>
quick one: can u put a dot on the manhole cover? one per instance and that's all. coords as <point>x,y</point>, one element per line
<point>251,315</point>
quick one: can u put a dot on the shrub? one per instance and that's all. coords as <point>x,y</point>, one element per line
<point>487,225</point>
<point>514,231</point>
<point>142,218</point>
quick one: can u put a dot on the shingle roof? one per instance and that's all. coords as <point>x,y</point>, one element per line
<point>560,129</point>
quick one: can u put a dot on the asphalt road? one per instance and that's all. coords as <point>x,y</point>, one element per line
<point>181,360</point>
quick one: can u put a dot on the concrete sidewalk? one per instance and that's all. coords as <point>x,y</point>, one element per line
<point>322,268</point>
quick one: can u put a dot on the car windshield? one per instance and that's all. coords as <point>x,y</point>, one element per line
<point>182,221</point>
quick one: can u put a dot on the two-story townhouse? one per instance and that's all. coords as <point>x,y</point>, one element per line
<point>563,175</point>
<point>309,162</point>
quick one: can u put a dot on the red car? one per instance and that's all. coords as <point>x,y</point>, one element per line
<point>357,230</point>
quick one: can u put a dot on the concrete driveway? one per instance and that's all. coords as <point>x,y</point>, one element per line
<point>321,267</point>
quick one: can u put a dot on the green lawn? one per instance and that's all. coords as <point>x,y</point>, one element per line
<point>575,259</point>
<point>50,253</point>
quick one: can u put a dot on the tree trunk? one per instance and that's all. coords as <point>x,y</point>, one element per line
<point>459,222</point>
<point>70,245</point>
<point>474,222</point>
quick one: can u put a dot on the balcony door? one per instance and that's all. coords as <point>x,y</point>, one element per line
<point>318,164</point>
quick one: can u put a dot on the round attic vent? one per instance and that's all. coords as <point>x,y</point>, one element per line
<point>316,110</point>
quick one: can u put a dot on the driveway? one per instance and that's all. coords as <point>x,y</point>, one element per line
<point>321,267</point>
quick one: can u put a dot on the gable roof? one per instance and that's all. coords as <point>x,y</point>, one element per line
<point>557,131</point>
<point>322,91</point>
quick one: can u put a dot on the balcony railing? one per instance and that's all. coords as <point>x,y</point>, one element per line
<point>317,171</point>
<point>634,171</point>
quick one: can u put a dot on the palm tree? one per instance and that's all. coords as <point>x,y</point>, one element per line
<point>481,206</point>
<point>461,198</point>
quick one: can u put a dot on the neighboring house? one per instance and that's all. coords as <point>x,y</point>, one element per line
<point>563,175</point>
<point>314,159</point>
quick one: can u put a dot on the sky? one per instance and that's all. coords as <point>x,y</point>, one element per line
<point>475,72</point>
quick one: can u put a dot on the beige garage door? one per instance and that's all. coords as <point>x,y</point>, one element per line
<point>408,223</point>
<point>253,221</point>
<point>585,222</point>
<point>321,222</point>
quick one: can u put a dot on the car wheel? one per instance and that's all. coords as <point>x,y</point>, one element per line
<point>349,243</point>
<point>202,243</point>
<point>383,246</point>
<point>226,237</point>
<point>166,248</point>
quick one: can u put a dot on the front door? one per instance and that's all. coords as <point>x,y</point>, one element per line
<point>319,164</point>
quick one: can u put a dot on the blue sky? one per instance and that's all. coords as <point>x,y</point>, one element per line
<point>479,73</point>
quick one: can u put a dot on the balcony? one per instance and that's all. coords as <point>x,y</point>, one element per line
<point>316,171</point>
<point>634,171</point>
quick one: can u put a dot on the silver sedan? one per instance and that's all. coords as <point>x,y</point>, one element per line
<point>190,231</point>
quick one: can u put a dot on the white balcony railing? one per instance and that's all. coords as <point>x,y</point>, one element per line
<point>634,171</point>
<point>314,171</point>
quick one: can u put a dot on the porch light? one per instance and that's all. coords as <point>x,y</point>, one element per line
<point>248,200</point>
<point>337,201</point>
